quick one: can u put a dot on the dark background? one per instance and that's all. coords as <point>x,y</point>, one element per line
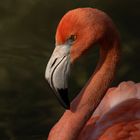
<point>28,109</point>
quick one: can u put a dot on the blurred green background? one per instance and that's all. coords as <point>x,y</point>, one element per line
<point>28,109</point>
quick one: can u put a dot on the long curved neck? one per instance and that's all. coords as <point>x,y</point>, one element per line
<point>82,107</point>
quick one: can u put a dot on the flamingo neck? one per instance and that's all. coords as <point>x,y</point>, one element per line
<point>83,106</point>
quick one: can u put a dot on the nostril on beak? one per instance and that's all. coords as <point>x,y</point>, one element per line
<point>53,62</point>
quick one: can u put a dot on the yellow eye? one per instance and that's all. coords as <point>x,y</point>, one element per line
<point>72,38</point>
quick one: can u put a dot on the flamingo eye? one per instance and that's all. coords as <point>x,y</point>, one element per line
<point>72,38</point>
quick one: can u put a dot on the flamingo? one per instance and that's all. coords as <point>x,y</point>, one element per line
<point>97,112</point>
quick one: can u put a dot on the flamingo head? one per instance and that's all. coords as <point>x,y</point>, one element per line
<point>77,31</point>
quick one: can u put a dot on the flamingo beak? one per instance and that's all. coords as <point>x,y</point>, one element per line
<point>57,73</point>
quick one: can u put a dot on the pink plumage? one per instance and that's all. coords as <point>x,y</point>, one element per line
<point>98,112</point>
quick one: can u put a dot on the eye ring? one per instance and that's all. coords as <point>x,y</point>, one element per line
<point>72,38</point>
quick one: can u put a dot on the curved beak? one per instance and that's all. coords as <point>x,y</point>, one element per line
<point>57,73</point>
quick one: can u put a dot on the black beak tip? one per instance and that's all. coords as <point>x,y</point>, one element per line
<point>63,98</point>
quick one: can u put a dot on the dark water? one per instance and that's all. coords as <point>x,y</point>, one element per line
<point>27,28</point>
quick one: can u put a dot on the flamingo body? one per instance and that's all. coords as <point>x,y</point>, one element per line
<point>118,115</point>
